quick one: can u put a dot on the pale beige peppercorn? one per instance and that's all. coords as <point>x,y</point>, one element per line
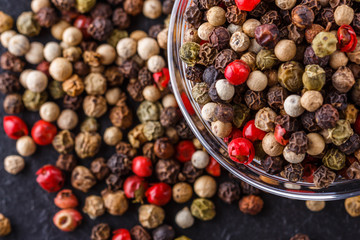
<point>270,146</point>
<point>25,146</point>
<point>151,216</point>
<point>315,206</point>
<point>95,84</point>
<point>58,29</point>
<point>292,106</point>
<point>49,111</point>
<point>36,81</point>
<point>249,27</point>
<point>221,129</point>
<point>152,9</point>
<point>112,95</point>
<point>156,63</point>
<point>151,93</point>
<point>239,42</point>
<point>257,81</point>
<point>162,38</point>
<point>316,144</point>
<point>216,16</point>
<point>72,36</point>
<point>311,100</point>
<point>232,28</point>
<point>344,15</point>
<point>352,206</point>
<point>126,47</point>
<point>36,5</point>
<point>138,34</point>
<point>112,136</point>
<point>285,4</point>
<point>338,59</point>
<point>292,157</point>
<point>115,202</point>
<point>52,50</point>
<point>147,47</point>
<point>35,54</point>
<point>285,50</point>
<point>169,101</point>
<point>19,45</point>
<point>107,54</point>
<point>14,164</point>
<point>192,35</point>
<point>60,69</point>
<point>6,36</point>
<point>67,120</point>
<point>94,206</point>
<point>205,187</point>
<point>23,77</point>
<point>204,31</point>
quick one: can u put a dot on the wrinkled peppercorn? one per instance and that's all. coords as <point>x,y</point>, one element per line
<point>11,62</point>
<point>207,54</point>
<point>66,162</point>
<point>224,112</point>
<point>223,58</point>
<point>276,97</point>
<point>309,122</point>
<point>292,172</point>
<point>194,16</point>
<point>327,116</point>
<point>195,73</point>
<point>247,189</point>
<point>219,38</point>
<point>13,104</point>
<point>9,83</point>
<point>189,173</point>
<point>119,163</point>
<point>100,231</point>
<point>288,123</point>
<point>255,100</point>
<point>99,168</point>
<point>271,17</point>
<point>300,236</point>
<point>169,116</point>
<point>47,17</point>
<point>337,100</point>
<point>125,149</point>
<point>273,165</point>
<point>129,68</point>
<point>251,204</point>
<point>100,28</point>
<point>311,58</point>
<point>167,170</point>
<point>183,130</point>
<point>229,192</point>
<point>114,182</point>
<point>139,233</point>
<point>302,16</point>
<point>323,177</point>
<point>298,142</point>
<point>154,30</point>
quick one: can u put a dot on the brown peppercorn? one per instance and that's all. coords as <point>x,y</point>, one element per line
<point>94,206</point>
<point>148,151</point>
<point>183,130</point>
<point>298,142</point>
<point>353,172</point>
<point>323,177</point>
<point>66,162</point>
<point>193,15</point>
<point>9,83</point>
<point>276,97</point>
<point>167,6</point>
<point>337,100</point>
<point>100,28</point>
<point>189,173</point>
<point>74,86</point>
<point>99,168</point>
<point>73,103</point>
<point>133,7</point>
<point>119,164</point>
<point>302,16</point>
<point>81,68</point>
<point>126,149</point>
<point>101,10</point>
<point>163,148</point>
<point>11,62</point>
<point>64,5</point>
<point>327,116</point>
<point>312,31</point>
<point>222,59</point>
<point>169,116</point>
<point>293,172</point>
<point>271,17</point>
<point>113,76</point>
<point>100,231</point>
<point>267,35</point>
<point>154,30</point>
<point>351,145</point>
<point>92,58</point>
<point>129,68</point>
<point>229,192</point>
<point>82,178</point>
<point>273,165</point>
<point>219,38</point>
<point>114,182</point>
<point>121,116</point>
<point>327,16</point>
<point>94,106</point>
<point>63,142</point>
<point>251,204</point>
<point>167,171</point>
<point>343,79</point>
<point>255,100</point>
<point>5,226</point>
<point>120,18</point>
<point>13,103</point>
<point>300,236</point>
<point>207,55</point>
<point>87,144</point>
<point>139,233</point>
<point>47,17</point>
<point>89,46</point>
<point>224,112</point>
<point>115,202</point>
<point>247,189</point>
<point>295,33</point>
<point>309,122</point>
<point>235,15</point>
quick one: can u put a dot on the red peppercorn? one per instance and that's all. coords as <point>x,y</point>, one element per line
<point>162,78</point>
<point>308,171</point>
<point>279,135</point>
<point>184,150</point>
<point>15,127</point>
<point>135,187</point>
<point>121,234</point>
<point>247,5</point>
<point>241,150</point>
<point>159,194</point>
<point>235,133</point>
<point>213,168</point>
<point>67,219</point>
<point>66,199</point>
<point>50,178</point>
<point>82,22</point>
<point>142,166</point>
<point>187,104</point>
<point>252,133</point>
<point>43,132</point>
<point>237,72</point>
<point>346,38</point>
<point>357,124</point>
<point>44,68</point>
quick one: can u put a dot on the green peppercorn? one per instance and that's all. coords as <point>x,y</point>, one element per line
<point>116,35</point>
<point>324,44</point>
<point>148,111</point>
<point>200,93</point>
<point>33,101</point>
<point>314,77</point>
<point>341,132</point>
<point>27,24</point>
<point>84,6</point>
<point>266,59</point>
<point>153,130</point>
<point>189,53</point>
<point>241,115</point>
<point>334,159</point>
<point>55,89</point>
<point>203,209</point>
<point>290,76</point>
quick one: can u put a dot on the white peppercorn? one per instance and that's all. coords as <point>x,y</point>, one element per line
<point>292,157</point>
<point>95,84</point>
<point>200,159</point>
<point>138,34</point>
<point>169,101</point>
<point>162,38</point>
<point>147,47</point>
<point>205,186</point>
<point>224,90</point>
<point>292,106</point>
<point>316,144</point>
<point>232,28</point>
<point>239,42</point>
<point>285,4</point>
<point>67,120</point>
<point>25,146</point>
<point>208,112</point>
<point>184,219</point>
<point>338,59</point>
<point>35,54</point>
<point>113,95</point>
<point>344,15</point>
<point>72,36</point>
<point>19,45</point>
<point>23,77</point>
<point>257,81</point>
<point>107,54</point>
<point>216,16</point>
<point>36,5</point>
<point>204,31</point>
<point>49,111</point>
<point>14,164</point>
<point>126,47</point>
<point>270,146</point>
<point>6,36</point>
<point>152,9</point>
<point>221,129</point>
<point>151,93</point>
<point>192,35</point>
<point>285,50</point>
<point>112,136</point>
<point>156,63</point>
<point>311,100</point>
<point>58,29</point>
<point>36,81</point>
<point>60,69</point>
<point>52,50</point>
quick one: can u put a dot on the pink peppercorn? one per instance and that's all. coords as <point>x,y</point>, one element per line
<point>237,72</point>
<point>241,150</point>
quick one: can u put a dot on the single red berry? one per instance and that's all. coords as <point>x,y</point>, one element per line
<point>135,187</point>
<point>184,150</point>
<point>159,194</point>
<point>279,135</point>
<point>142,166</point>
<point>308,171</point>
<point>187,104</point>
<point>121,234</point>
<point>241,150</point>
<point>237,72</point>
<point>43,132</point>
<point>357,124</point>
<point>213,168</point>
<point>235,133</point>
<point>15,127</point>
<point>252,133</point>
<point>50,178</point>
<point>82,22</point>
<point>347,40</point>
<point>162,78</point>
<point>67,220</point>
<point>66,199</point>
<point>44,68</point>
<point>247,5</point>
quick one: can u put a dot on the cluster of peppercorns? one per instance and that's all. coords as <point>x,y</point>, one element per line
<point>282,73</point>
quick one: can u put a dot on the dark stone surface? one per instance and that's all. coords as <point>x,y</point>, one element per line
<point>31,209</point>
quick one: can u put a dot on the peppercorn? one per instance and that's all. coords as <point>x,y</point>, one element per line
<point>264,119</point>
<point>203,209</point>
<point>115,202</point>
<point>25,146</point>
<point>323,177</point>
<point>13,104</point>
<point>5,226</point>
<point>167,170</point>
<point>67,120</point>
<point>87,144</point>
<point>26,24</point>
<point>292,172</point>
<point>254,100</point>
<point>351,145</point>
<point>293,157</point>
<point>316,144</point>
<point>267,35</point>
<point>272,165</point>
<point>11,62</point>
<point>251,204</point>
<point>100,28</point>
<point>229,192</point>
<point>100,231</point>
<point>94,106</point>
<point>119,163</point>
<point>302,16</point>
<point>326,116</point>
<point>271,146</point>
<point>151,216</point>
<point>63,142</point>
<point>183,130</point>
<point>94,206</point>
<point>353,172</point>
<point>66,162</point>
<point>99,168</point>
<point>352,206</point>
<point>343,79</point>
<point>184,219</point>
<point>14,164</point>
<point>324,44</point>
<point>298,142</point>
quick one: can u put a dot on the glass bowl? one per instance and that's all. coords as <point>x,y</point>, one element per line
<point>216,147</point>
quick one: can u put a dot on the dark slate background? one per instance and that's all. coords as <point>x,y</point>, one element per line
<point>31,209</point>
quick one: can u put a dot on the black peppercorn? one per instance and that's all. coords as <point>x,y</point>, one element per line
<point>129,68</point>
<point>337,100</point>
<point>314,5</point>
<point>295,33</point>
<point>327,116</point>
<point>101,10</point>
<point>224,112</point>
<point>219,38</point>
<point>323,177</point>
<point>66,162</point>
<point>271,17</point>
<point>298,142</point>
<point>351,145</point>
<point>81,68</point>
<point>311,58</point>
<point>149,152</point>
<point>309,123</point>
<point>195,73</point>
<point>125,149</point>
<point>292,172</point>
<point>13,103</point>
<point>100,28</point>
<point>260,9</point>
<point>154,30</point>
<point>247,189</point>
<point>164,232</point>
<point>327,17</point>
<point>167,171</point>
<point>235,15</point>
<point>276,97</point>
<point>189,173</point>
<point>64,5</point>
<point>210,75</point>
<point>47,17</point>
<point>99,168</point>
<point>169,116</point>
<point>255,100</point>
<point>121,19</point>
<point>11,62</point>
<point>167,6</point>
<point>288,123</point>
<point>9,83</point>
<point>229,192</point>
<point>267,35</point>
<point>207,54</point>
<point>223,58</point>
<point>100,232</point>
<point>183,130</point>
<point>119,163</point>
<point>134,89</point>
<point>194,16</point>
<point>88,46</point>
<point>73,103</point>
<point>273,165</point>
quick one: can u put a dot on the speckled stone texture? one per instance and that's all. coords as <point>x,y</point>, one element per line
<point>31,209</point>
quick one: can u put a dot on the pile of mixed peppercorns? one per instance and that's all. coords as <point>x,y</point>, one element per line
<point>282,72</point>
<point>90,74</point>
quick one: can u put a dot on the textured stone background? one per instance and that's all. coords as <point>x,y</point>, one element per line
<point>30,209</point>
